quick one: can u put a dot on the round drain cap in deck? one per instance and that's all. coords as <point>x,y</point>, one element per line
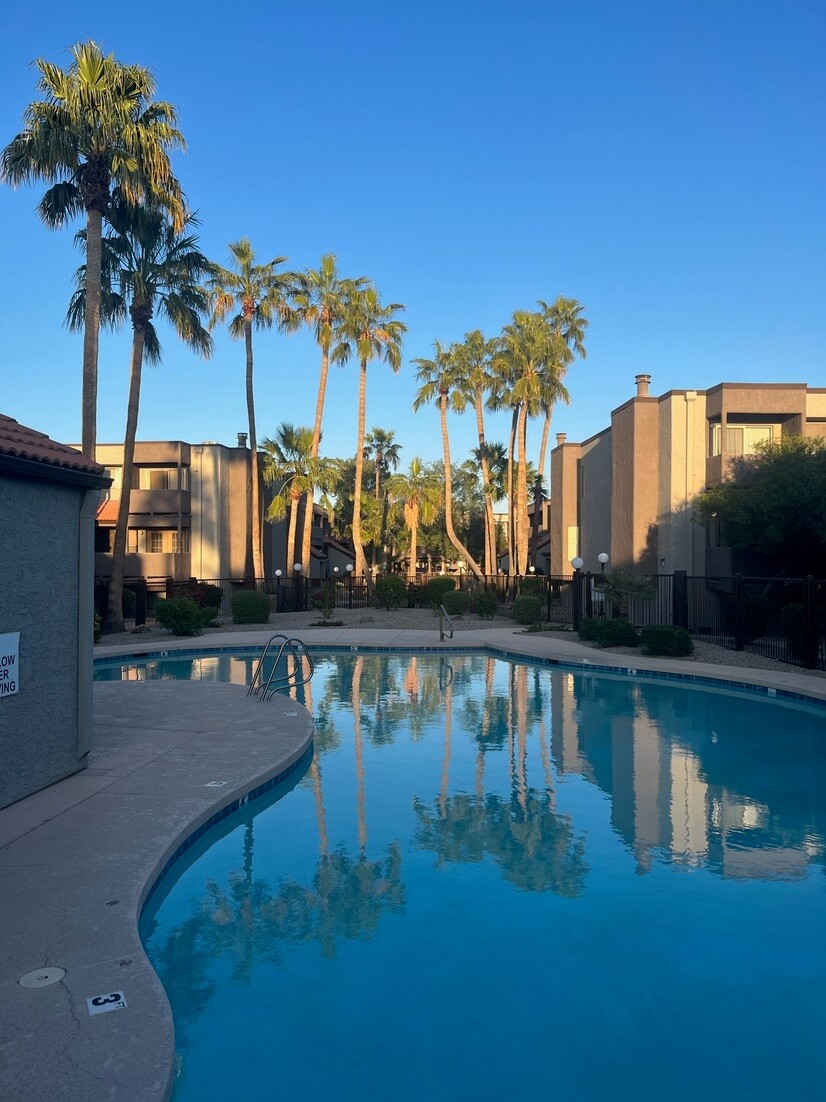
<point>42,977</point>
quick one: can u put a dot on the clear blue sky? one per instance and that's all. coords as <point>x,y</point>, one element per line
<point>664,163</point>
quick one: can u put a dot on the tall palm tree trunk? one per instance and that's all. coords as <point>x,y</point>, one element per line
<point>451,532</point>
<point>361,561</point>
<point>307,529</point>
<point>513,509</point>
<point>289,552</point>
<point>543,447</point>
<point>114,607</point>
<point>490,530</point>
<point>255,492</point>
<point>91,332</point>
<point>358,748</point>
<point>522,495</point>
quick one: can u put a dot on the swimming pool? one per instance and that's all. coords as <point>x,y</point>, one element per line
<point>500,880</point>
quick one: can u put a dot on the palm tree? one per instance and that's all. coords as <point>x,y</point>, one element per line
<point>148,268</point>
<point>528,349</point>
<point>421,495</point>
<point>439,378</point>
<point>263,298</point>
<point>474,357</point>
<point>371,332</point>
<point>380,446</point>
<point>564,317</point>
<point>320,302</point>
<point>97,130</point>
<point>289,460</point>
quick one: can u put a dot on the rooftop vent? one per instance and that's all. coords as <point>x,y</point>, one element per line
<point>642,382</point>
<point>561,437</point>
<point>242,439</point>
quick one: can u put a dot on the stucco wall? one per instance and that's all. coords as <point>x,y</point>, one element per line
<point>39,598</point>
<point>595,500</point>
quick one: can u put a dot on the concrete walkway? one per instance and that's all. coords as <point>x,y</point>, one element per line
<point>77,860</point>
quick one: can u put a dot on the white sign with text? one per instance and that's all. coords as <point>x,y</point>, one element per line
<point>9,668</point>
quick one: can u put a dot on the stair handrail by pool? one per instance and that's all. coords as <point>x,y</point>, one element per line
<point>443,615</point>
<point>252,690</point>
<point>298,651</point>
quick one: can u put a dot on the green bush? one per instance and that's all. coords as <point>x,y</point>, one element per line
<point>417,595</point>
<point>97,627</point>
<point>250,607</point>
<point>391,590</point>
<point>758,615</point>
<point>671,641</point>
<point>205,595</point>
<point>588,629</point>
<point>530,587</point>
<point>436,589</point>
<point>527,610</point>
<point>456,602</point>
<point>486,605</point>
<point>129,602</point>
<point>618,632</point>
<point>181,616</point>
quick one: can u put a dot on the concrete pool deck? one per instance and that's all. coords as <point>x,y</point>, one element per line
<point>78,859</point>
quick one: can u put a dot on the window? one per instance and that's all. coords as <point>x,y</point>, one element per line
<point>156,478</point>
<point>740,439</point>
<point>116,474</point>
<point>157,541</point>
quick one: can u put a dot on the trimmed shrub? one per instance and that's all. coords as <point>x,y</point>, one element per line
<point>205,595</point>
<point>180,615</point>
<point>527,610</point>
<point>391,590</point>
<point>417,596</point>
<point>325,600</point>
<point>129,602</point>
<point>436,589</point>
<point>588,629</point>
<point>530,587</point>
<point>250,607</point>
<point>758,614</point>
<point>456,602</point>
<point>618,632</point>
<point>97,627</point>
<point>486,605</point>
<point>670,641</point>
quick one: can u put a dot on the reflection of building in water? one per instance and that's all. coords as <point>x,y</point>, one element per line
<point>652,757</point>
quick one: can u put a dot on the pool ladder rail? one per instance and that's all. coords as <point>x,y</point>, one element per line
<point>443,617</point>
<point>297,651</point>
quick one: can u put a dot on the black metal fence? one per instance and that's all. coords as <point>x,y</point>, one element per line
<point>780,618</point>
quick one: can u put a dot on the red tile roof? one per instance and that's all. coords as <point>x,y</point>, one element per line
<point>108,511</point>
<point>23,443</point>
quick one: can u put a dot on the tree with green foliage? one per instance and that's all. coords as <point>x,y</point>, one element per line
<point>263,298</point>
<point>97,132</point>
<point>775,504</point>
<point>320,303</point>
<point>420,493</point>
<point>147,269</point>
<point>441,383</point>
<point>473,357</point>
<point>370,331</point>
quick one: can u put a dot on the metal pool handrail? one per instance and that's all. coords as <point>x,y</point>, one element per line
<point>442,617</point>
<point>298,651</point>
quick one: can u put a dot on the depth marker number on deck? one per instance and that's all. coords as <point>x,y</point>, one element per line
<point>102,1004</point>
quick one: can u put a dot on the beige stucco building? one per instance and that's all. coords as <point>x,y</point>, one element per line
<point>630,489</point>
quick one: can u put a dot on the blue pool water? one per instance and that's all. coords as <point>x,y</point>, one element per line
<point>499,881</point>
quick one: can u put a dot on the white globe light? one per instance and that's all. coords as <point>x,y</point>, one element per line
<point>349,568</point>
<point>297,567</point>
<point>577,563</point>
<point>603,557</point>
<point>278,573</point>
<point>335,570</point>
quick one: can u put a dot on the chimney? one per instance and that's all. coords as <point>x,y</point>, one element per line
<point>642,382</point>
<point>561,437</point>
<point>242,439</point>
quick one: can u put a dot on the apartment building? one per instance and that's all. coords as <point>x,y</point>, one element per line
<point>630,489</point>
<point>189,510</point>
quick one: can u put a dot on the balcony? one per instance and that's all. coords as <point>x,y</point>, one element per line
<point>166,502</point>
<point>147,565</point>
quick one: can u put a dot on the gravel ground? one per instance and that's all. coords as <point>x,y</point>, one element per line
<point>423,619</point>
